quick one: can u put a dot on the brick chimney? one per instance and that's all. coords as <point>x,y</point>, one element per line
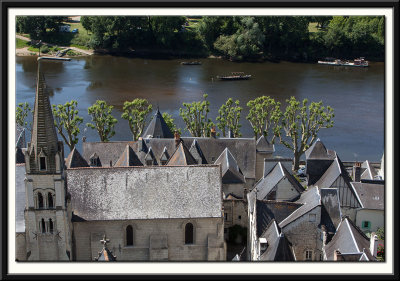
<point>373,244</point>
<point>177,138</point>
<point>213,132</point>
<point>357,171</point>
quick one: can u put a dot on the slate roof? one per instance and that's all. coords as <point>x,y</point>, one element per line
<point>267,210</point>
<point>181,156</point>
<point>20,139</point>
<point>277,174</point>
<point>263,145</point>
<point>372,196</point>
<point>331,214</point>
<point>231,173</point>
<point>107,151</point>
<point>279,248</point>
<point>19,156</point>
<point>348,239</point>
<point>19,198</point>
<point>195,150</point>
<point>128,158</point>
<point>318,151</point>
<point>106,255</point>
<point>148,192</point>
<point>369,172</point>
<point>309,199</point>
<point>158,128</point>
<point>75,160</point>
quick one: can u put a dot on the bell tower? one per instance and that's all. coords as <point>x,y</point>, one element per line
<point>46,218</point>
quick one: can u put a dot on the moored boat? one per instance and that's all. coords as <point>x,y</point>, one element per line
<point>359,62</point>
<point>235,76</point>
<point>190,63</point>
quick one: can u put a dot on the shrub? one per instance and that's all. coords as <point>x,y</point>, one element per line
<point>45,49</point>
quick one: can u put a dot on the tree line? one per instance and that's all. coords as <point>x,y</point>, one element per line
<point>296,127</point>
<point>233,37</point>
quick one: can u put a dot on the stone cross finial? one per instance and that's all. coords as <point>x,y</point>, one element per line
<point>104,241</point>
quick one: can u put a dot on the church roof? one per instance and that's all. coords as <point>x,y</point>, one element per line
<point>106,255</point>
<point>231,173</point>
<point>158,128</point>
<point>128,158</point>
<point>181,156</point>
<point>263,145</point>
<point>75,160</point>
<point>148,192</point>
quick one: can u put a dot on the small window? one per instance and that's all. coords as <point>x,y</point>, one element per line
<point>40,201</point>
<point>239,217</point>
<point>164,162</point>
<point>189,233</point>
<point>43,226</point>
<point>51,227</point>
<point>50,200</point>
<point>309,255</point>
<point>366,224</point>
<point>129,235</point>
<point>226,216</point>
<point>212,158</point>
<point>312,217</point>
<point>149,162</point>
<point>93,162</point>
<point>42,163</point>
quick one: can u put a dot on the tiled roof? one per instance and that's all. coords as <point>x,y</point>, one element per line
<point>371,195</point>
<point>348,239</point>
<point>128,158</point>
<point>158,128</point>
<point>231,173</point>
<point>122,193</point>
<point>75,160</point>
<point>181,156</point>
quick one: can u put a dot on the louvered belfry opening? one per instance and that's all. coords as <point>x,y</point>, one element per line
<point>189,233</point>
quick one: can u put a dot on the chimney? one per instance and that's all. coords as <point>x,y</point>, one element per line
<point>335,255</point>
<point>357,171</point>
<point>213,132</point>
<point>177,138</point>
<point>373,244</point>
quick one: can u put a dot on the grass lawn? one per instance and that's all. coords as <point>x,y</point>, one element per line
<point>21,44</point>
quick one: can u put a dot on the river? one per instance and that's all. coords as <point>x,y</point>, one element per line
<point>356,94</point>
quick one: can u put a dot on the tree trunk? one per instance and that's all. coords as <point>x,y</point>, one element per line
<point>296,161</point>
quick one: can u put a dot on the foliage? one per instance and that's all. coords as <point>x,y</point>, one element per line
<point>21,43</point>
<point>229,116</point>
<point>195,116</point>
<point>381,233</point>
<point>102,120</point>
<point>45,49</point>
<point>264,115</point>
<point>381,253</point>
<point>170,123</point>
<point>301,125</point>
<point>37,26</point>
<point>66,117</point>
<point>136,112</point>
<point>21,113</point>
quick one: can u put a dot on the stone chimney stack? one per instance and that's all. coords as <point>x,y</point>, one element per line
<point>213,132</point>
<point>177,138</point>
<point>357,171</point>
<point>373,244</point>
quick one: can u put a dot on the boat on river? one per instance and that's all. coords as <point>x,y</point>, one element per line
<point>235,76</point>
<point>359,62</point>
<point>190,63</point>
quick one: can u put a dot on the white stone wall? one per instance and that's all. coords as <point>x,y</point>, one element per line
<point>285,190</point>
<point>375,217</point>
<point>87,236</point>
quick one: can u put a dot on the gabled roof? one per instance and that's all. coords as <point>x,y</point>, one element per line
<point>278,173</point>
<point>331,175</point>
<point>181,156</point>
<point>309,200</point>
<point>231,173</point>
<point>158,128</point>
<point>371,195</point>
<point>262,145</point>
<point>150,156</point>
<point>279,248</point>
<point>369,172</point>
<point>331,215</point>
<point>348,239</point>
<point>106,255</point>
<point>128,158</point>
<point>195,150</point>
<point>318,151</point>
<point>107,151</point>
<point>75,160</point>
<point>165,154</point>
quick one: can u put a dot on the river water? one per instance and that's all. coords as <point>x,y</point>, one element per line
<point>356,94</point>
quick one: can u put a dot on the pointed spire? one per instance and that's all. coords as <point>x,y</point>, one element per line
<point>128,158</point>
<point>75,160</point>
<point>196,152</point>
<point>158,128</point>
<point>317,151</point>
<point>44,135</point>
<point>105,254</point>
<point>181,156</point>
<point>231,172</point>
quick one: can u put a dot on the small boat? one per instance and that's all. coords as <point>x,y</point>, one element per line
<point>190,63</point>
<point>235,76</point>
<point>359,62</point>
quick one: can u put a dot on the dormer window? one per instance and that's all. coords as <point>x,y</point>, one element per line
<point>263,245</point>
<point>149,162</point>
<point>164,162</point>
<point>95,160</point>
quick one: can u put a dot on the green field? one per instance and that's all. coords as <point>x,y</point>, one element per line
<point>21,43</point>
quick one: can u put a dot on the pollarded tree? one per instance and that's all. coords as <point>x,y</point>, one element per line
<point>66,117</point>
<point>21,113</point>
<point>195,117</point>
<point>229,116</point>
<point>170,123</point>
<point>102,120</point>
<point>301,124</point>
<point>264,115</point>
<point>136,112</point>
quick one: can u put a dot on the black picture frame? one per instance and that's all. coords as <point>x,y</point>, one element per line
<point>6,148</point>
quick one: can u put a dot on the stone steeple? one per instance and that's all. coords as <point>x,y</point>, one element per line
<point>44,145</point>
<point>158,128</point>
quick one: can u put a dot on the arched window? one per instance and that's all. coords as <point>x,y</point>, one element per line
<point>43,226</point>
<point>129,235</point>
<point>189,233</point>
<point>51,227</point>
<point>40,200</point>
<point>50,200</point>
